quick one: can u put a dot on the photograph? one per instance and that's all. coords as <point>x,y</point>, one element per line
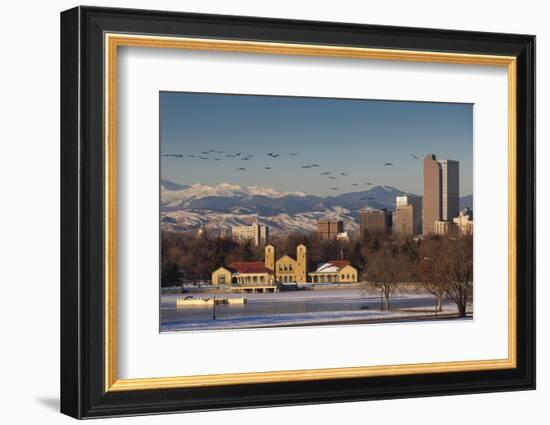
<point>285,211</point>
<point>298,191</point>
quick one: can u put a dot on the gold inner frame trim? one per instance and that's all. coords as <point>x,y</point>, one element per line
<point>113,41</point>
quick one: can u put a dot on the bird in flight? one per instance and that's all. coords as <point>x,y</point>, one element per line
<point>343,174</point>
<point>240,169</point>
<point>205,153</point>
<point>306,166</point>
<point>333,188</point>
<point>292,153</point>
<point>203,157</point>
<point>267,168</point>
<point>387,163</point>
<point>368,183</point>
<point>332,178</point>
<point>354,184</point>
<point>415,157</point>
<point>325,173</point>
<point>314,165</point>
<point>174,155</point>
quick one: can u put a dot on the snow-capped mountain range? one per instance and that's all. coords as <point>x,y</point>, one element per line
<point>188,207</point>
<point>181,195</point>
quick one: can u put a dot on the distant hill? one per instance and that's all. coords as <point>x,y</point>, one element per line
<point>188,207</point>
<point>170,185</point>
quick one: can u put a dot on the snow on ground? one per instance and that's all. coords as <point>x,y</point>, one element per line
<point>301,319</point>
<point>332,307</point>
<point>289,296</point>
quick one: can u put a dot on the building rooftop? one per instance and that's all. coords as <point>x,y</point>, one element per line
<point>333,266</point>
<point>249,267</point>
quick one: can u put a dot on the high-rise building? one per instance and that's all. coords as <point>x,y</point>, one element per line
<point>408,215</point>
<point>441,192</point>
<point>375,221</point>
<point>450,204</point>
<point>258,234</point>
<point>329,229</point>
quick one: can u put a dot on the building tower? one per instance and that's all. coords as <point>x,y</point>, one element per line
<point>375,221</point>
<point>450,204</point>
<point>408,215</point>
<point>431,202</point>
<point>328,229</point>
<point>301,264</point>
<point>441,192</point>
<point>269,257</point>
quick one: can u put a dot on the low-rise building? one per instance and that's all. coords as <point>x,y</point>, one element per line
<point>442,227</point>
<point>284,270</point>
<point>337,271</point>
<point>464,222</point>
<point>344,236</point>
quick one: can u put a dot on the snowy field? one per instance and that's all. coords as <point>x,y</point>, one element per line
<point>299,308</point>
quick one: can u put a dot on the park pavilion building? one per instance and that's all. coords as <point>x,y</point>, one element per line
<point>287,269</point>
<point>339,271</point>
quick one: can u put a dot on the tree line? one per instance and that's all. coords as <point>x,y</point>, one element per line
<point>440,265</point>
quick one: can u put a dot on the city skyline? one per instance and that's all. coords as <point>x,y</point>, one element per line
<point>290,142</point>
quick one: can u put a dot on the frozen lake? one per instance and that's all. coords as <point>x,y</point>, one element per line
<point>294,308</point>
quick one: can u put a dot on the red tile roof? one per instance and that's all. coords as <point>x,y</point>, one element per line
<point>250,267</point>
<point>339,263</point>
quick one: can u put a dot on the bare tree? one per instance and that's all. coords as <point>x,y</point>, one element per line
<point>450,269</point>
<point>386,268</point>
<point>427,274</point>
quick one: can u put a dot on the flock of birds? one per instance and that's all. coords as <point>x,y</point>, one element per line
<point>218,155</point>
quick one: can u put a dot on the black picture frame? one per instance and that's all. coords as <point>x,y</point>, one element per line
<point>83,392</point>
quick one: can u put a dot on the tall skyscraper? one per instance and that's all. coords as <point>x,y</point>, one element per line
<point>431,202</point>
<point>450,204</point>
<point>441,192</point>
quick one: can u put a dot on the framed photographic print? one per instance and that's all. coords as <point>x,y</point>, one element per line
<point>261,212</point>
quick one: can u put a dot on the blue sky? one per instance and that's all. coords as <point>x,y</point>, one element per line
<point>349,136</point>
